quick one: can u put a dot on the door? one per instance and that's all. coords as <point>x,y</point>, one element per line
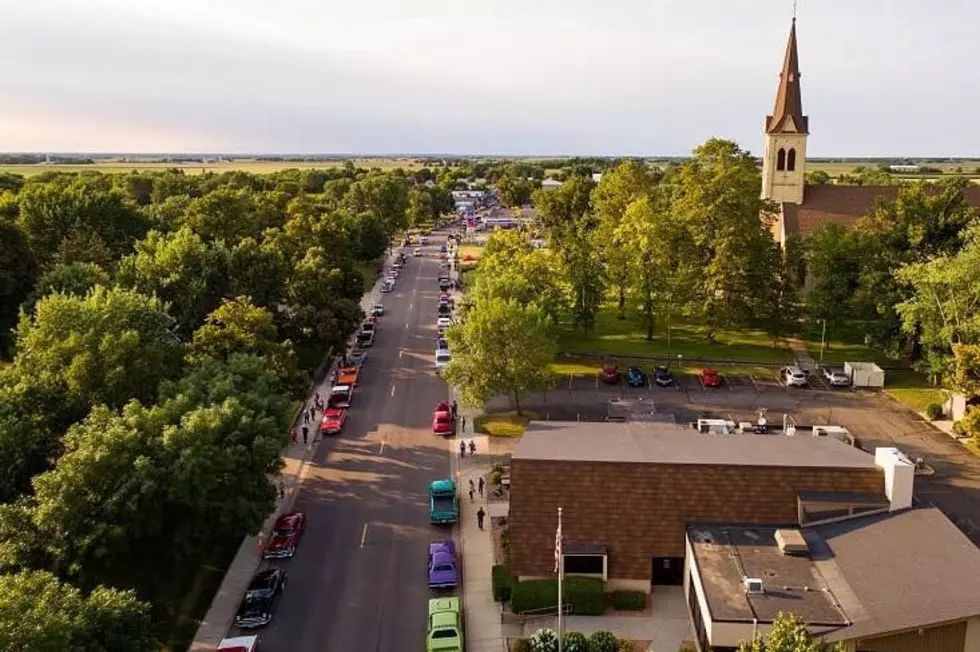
<point>668,571</point>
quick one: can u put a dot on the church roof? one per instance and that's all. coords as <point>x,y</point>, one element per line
<point>844,205</point>
<point>787,115</point>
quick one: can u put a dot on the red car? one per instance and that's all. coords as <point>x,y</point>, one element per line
<point>610,374</point>
<point>333,421</point>
<point>710,378</point>
<point>285,536</point>
<point>442,421</point>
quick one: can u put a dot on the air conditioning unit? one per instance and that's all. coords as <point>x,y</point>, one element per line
<point>753,585</point>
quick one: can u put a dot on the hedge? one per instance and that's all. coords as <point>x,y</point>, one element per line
<point>500,580</point>
<point>584,594</point>
<point>628,600</point>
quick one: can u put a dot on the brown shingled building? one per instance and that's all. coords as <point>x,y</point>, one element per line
<point>649,504</point>
<point>802,209</point>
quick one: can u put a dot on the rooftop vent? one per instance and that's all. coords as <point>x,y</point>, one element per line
<point>753,585</point>
<point>791,542</point>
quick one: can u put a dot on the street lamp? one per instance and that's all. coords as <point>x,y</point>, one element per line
<point>823,339</point>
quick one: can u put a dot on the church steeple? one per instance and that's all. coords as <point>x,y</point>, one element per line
<point>787,129</point>
<point>788,111</point>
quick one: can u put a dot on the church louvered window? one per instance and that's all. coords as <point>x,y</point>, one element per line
<point>781,159</point>
<point>791,160</point>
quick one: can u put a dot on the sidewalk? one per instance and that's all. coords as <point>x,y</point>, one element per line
<point>481,613</point>
<point>221,614</point>
<point>803,358</point>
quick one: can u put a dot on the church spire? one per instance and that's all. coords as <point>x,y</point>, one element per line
<point>787,115</point>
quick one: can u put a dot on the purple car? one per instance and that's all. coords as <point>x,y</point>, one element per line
<point>443,572</point>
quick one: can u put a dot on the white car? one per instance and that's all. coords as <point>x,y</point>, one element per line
<point>417,252</point>
<point>794,377</point>
<point>423,240</point>
<point>443,358</point>
<point>444,322</point>
<point>836,377</point>
<point>388,285</point>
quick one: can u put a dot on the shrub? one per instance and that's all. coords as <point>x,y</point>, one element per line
<point>574,642</point>
<point>602,642</point>
<point>628,600</point>
<point>496,477</point>
<point>624,645</point>
<point>505,543</point>
<point>934,411</point>
<point>584,594</point>
<point>500,580</point>
<point>544,640</point>
<point>521,645</point>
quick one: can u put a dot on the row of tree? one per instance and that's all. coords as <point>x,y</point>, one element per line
<point>165,326</point>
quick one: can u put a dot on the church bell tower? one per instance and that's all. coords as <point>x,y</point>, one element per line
<point>784,159</point>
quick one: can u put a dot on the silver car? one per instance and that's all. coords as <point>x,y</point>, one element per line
<point>836,377</point>
<point>794,377</point>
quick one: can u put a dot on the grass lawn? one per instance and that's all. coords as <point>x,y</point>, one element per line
<point>912,390</point>
<point>503,424</point>
<point>370,271</point>
<point>847,345</point>
<point>626,338</point>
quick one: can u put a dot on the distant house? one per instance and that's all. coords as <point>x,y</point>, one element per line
<point>801,208</point>
<point>550,184</point>
<point>908,169</point>
<point>597,176</point>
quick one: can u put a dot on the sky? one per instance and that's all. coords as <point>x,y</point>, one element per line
<point>506,77</point>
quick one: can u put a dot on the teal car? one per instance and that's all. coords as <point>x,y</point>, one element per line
<point>445,626</point>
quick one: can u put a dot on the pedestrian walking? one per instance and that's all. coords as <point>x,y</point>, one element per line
<point>316,399</point>
<point>471,492</point>
<point>463,423</point>
<point>481,485</point>
<point>480,514</point>
<point>454,409</point>
<point>462,449</point>
<point>306,417</point>
<point>472,447</point>
<point>312,413</point>
<point>472,487</point>
<point>306,435</point>
<point>282,491</point>
<point>292,434</point>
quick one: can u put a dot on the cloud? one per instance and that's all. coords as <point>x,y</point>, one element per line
<point>881,77</point>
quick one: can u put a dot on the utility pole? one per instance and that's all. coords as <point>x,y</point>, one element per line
<point>823,339</point>
<point>560,565</point>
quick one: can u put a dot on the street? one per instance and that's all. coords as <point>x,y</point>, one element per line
<point>358,581</point>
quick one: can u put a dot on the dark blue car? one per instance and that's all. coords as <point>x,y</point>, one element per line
<point>635,377</point>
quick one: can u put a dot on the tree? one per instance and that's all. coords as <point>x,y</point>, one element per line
<point>833,259</point>
<point>617,189</point>
<point>503,347</point>
<point>789,634</point>
<point>17,274</point>
<point>421,208</point>
<point>258,269</point>
<point>188,274</point>
<point>566,210</point>
<point>817,178</point>
<point>107,347</point>
<point>385,195</point>
<point>77,279</point>
<point>779,308</point>
<point>717,196</point>
<point>966,377</point>
<point>38,613</point>
<point>515,190</point>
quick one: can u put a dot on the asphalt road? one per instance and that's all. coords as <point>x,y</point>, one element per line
<point>358,581</point>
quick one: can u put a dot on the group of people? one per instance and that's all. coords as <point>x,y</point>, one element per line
<point>309,417</point>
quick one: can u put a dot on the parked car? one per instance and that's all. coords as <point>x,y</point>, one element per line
<point>417,252</point>
<point>333,421</point>
<point>445,284</point>
<point>635,377</point>
<point>261,598</point>
<point>423,240</point>
<point>836,377</point>
<point>610,374</point>
<point>356,358</point>
<point>396,265</point>
<point>445,310</point>
<point>365,338</point>
<point>285,536</point>
<point>662,376</point>
<point>239,644</point>
<point>377,310</point>
<point>443,358</point>
<point>441,344</point>
<point>340,396</point>
<point>442,420</point>
<point>445,631</point>
<point>710,378</point>
<point>443,323</point>
<point>388,285</point>
<point>443,573</point>
<point>794,377</point>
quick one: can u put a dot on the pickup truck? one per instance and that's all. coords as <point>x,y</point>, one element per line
<point>365,337</point>
<point>443,502</point>
<point>348,376</point>
<point>445,631</point>
<point>340,396</point>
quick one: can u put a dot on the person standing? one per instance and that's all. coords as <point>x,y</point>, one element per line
<point>472,447</point>
<point>306,435</point>
<point>292,434</point>
<point>480,515</point>
<point>471,491</point>
<point>481,485</point>
<point>454,409</point>
<point>462,448</point>
<point>462,427</point>
<point>312,414</point>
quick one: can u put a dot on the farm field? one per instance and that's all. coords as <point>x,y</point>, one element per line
<point>244,165</point>
<point>969,168</point>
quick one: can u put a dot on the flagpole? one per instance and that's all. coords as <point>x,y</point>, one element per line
<point>561,571</point>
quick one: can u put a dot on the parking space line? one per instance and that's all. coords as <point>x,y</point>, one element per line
<point>754,384</point>
<point>392,390</point>
<point>363,534</point>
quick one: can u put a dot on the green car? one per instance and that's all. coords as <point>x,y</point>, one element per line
<point>445,626</point>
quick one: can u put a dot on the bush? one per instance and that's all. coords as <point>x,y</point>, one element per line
<point>628,600</point>
<point>544,640</point>
<point>574,642</point>
<point>584,594</point>
<point>496,477</point>
<point>934,411</point>
<point>624,645</point>
<point>505,543</point>
<point>602,642</point>
<point>500,580</point>
<point>521,645</point>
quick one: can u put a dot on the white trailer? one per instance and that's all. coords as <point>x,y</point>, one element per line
<point>865,374</point>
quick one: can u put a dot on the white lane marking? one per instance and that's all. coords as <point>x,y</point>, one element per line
<point>410,306</point>
<point>400,354</point>
<point>363,535</point>
<point>406,325</point>
<point>382,449</point>
<point>392,390</point>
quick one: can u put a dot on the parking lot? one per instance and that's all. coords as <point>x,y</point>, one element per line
<point>872,417</point>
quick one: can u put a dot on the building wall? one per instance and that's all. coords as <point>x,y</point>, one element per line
<point>641,511</point>
<point>946,638</point>
<point>784,185</point>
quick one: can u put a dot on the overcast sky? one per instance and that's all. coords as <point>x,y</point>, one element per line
<point>609,77</point>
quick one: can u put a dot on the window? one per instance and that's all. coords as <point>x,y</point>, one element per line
<point>585,565</point>
<point>781,159</point>
<point>791,160</point>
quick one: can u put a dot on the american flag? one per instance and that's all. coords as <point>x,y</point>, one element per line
<point>558,545</point>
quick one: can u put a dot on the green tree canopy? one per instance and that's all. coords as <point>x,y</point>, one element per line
<point>72,278</point>
<point>789,634</point>
<point>17,275</point>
